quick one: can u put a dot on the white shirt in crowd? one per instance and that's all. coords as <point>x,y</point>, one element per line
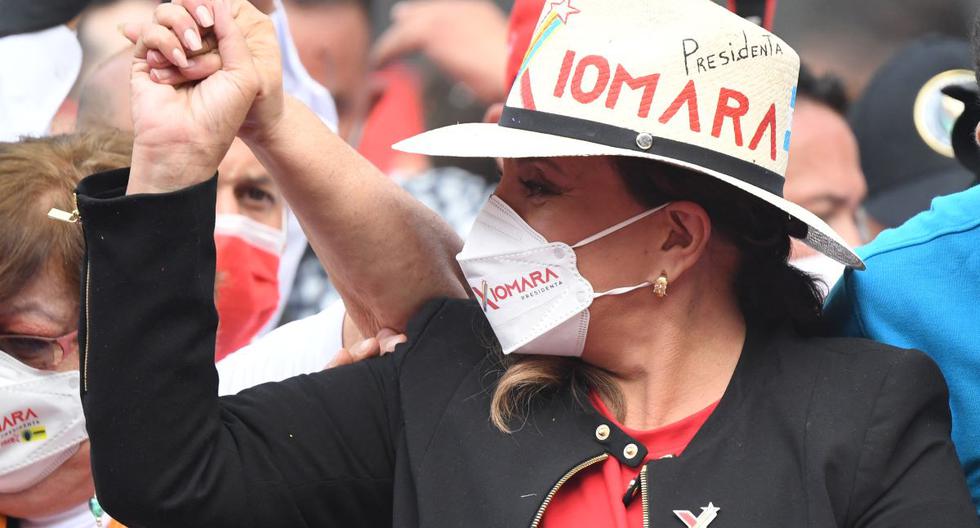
<point>300,347</point>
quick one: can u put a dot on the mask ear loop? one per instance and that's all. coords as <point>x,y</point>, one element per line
<point>621,225</point>
<point>611,230</point>
<point>620,291</point>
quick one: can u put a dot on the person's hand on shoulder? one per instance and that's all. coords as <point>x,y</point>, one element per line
<point>192,94</point>
<point>379,345</point>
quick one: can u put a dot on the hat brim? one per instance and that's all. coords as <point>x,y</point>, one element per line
<point>488,140</point>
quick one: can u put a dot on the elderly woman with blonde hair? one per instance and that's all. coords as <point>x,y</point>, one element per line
<point>45,474</point>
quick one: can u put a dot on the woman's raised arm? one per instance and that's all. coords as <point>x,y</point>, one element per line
<point>385,252</point>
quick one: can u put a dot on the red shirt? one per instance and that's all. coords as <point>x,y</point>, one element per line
<point>594,497</point>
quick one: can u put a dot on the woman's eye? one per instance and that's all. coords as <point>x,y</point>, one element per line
<point>538,188</point>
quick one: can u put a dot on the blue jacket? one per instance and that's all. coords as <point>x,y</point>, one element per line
<point>922,290</point>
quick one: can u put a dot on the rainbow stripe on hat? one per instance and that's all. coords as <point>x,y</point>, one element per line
<point>555,19</point>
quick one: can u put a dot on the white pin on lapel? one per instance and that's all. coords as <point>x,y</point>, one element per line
<point>708,514</point>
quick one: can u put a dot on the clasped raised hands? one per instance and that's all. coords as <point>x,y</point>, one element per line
<point>203,72</point>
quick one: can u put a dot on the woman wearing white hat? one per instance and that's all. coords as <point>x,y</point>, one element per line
<point>634,351</point>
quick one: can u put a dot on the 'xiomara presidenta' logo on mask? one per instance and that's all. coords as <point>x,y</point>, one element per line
<point>41,422</point>
<point>530,289</point>
<point>525,287</point>
<point>21,426</point>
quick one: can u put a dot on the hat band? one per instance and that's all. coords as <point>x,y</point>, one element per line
<point>624,138</point>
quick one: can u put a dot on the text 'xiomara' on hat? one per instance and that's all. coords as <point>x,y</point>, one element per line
<point>685,82</point>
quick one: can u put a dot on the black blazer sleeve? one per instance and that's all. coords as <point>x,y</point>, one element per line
<point>908,474</point>
<point>313,451</point>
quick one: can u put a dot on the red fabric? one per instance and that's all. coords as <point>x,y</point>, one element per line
<point>247,291</point>
<point>594,497</point>
<point>395,116</point>
<point>520,29</point>
<point>770,17</point>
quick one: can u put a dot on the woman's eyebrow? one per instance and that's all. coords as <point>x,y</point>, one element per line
<point>557,173</point>
<point>30,307</point>
<point>550,163</point>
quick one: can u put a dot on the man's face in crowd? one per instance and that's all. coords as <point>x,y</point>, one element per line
<point>97,31</point>
<point>333,40</point>
<point>824,173</point>
<point>104,94</point>
<point>245,188</point>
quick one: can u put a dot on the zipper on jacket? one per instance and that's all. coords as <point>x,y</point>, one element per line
<point>88,337</point>
<point>645,497</point>
<point>74,217</point>
<point>64,216</point>
<point>632,490</point>
<point>551,494</point>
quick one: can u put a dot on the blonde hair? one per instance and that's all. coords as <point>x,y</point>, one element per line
<point>37,174</point>
<point>526,377</point>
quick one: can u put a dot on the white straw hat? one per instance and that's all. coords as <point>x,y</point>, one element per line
<point>685,82</point>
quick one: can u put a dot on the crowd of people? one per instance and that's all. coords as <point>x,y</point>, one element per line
<point>701,284</point>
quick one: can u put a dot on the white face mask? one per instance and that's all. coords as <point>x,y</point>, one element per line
<point>823,268</point>
<point>41,422</point>
<point>296,81</point>
<point>530,289</point>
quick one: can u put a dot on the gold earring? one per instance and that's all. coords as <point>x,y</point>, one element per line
<point>660,285</point>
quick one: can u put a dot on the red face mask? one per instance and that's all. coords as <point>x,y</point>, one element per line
<point>247,292</point>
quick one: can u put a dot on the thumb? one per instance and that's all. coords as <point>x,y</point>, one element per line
<point>343,357</point>
<point>365,349</point>
<point>232,47</point>
<point>130,30</point>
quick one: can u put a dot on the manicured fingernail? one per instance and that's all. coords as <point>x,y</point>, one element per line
<point>192,39</point>
<point>159,59</point>
<point>161,75</point>
<point>204,16</point>
<point>180,58</point>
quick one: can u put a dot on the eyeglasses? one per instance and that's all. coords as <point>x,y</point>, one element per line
<point>43,353</point>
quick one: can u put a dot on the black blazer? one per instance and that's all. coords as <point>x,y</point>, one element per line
<point>811,432</point>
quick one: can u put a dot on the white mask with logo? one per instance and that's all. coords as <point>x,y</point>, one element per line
<point>41,422</point>
<point>530,289</point>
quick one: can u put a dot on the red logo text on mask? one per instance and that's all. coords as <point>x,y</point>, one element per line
<point>525,287</point>
<point>17,417</point>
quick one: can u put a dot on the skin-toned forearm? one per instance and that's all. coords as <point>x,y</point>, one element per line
<point>69,486</point>
<point>384,251</point>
